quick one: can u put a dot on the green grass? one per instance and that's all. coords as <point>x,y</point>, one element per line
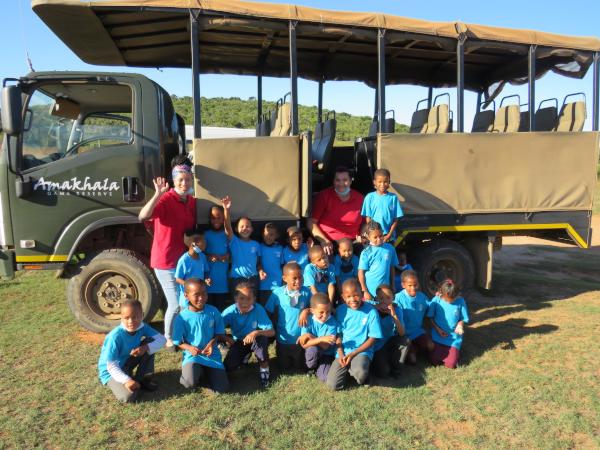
<point>529,378</point>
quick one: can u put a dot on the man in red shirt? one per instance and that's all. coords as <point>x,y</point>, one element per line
<point>336,212</point>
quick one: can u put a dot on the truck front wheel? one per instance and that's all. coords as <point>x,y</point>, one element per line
<point>105,280</point>
<point>444,259</point>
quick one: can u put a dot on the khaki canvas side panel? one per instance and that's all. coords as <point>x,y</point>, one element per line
<point>484,173</point>
<point>260,174</point>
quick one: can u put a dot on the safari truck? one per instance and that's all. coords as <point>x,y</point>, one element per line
<point>81,149</point>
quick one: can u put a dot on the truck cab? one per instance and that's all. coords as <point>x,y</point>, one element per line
<point>77,160</point>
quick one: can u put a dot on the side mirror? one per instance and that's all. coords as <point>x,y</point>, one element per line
<point>12,109</point>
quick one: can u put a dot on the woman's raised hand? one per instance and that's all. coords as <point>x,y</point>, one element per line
<point>160,185</point>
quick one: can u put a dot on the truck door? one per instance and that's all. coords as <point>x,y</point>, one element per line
<point>79,164</point>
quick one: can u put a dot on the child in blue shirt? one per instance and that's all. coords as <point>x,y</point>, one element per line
<point>196,330</point>
<point>270,257</point>
<point>318,276</point>
<point>284,306</point>
<point>359,326</point>
<point>251,329</point>
<point>193,263</point>
<point>129,346</point>
<point>345,263</point>
<point>382,206</point>
<point>217,253</point>
<point>376,263</point>
<point>414,305</point>
<point>296,251</point>
<point>319,337</point>
<point>448,313</point>
<point>391,350</point>
<point>245,252</point>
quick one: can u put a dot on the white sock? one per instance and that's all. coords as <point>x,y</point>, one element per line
<point>264,369</point>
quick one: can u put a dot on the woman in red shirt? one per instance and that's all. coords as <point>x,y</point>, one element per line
<point>171,212</point>
<point>336,212</point>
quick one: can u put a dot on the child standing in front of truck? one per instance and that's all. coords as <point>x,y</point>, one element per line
<point>382,206</point>
<point>193,263</point>
<point>296,250</point>
<point>270,257</point>
<point>217,253</point>
<point>376,263</point>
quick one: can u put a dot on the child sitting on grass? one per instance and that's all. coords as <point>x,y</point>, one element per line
<point>284,307</point>
<point>318,276</point>
<point>448,313</point>
<point>195,331</point>
<point>129,346</point>
<point>391,350</point>
<point>359,328</point>
<point>270,257</point>
<point>296,250</point>
<point>193,263</point>
<point>376,263</point>
<point>414,305</point>
<point>251,329</point>
<point>319,337</point>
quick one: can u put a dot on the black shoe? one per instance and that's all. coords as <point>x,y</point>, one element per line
<point>149,385</point>
<point>311,373</point>
<point>264,379</point>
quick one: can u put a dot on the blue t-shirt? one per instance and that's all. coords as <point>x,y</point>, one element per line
<point>244,257</point>
<point>319,278</point>
<point>446,316</point>
<point>243,324</point>
<point>270,257</point>
<point>217,244</point>
<point>318,329</point>
<point>197,329</point>
<point>413,312</point>
<point>345,269</point>
<point>288,311</point>
<point>300,257</point>
<point>377,262</point>
<point>356,326</point>
<point>188,267</point>
<point>383,209</point>
<point>117,346</point>
<point>388,326</point>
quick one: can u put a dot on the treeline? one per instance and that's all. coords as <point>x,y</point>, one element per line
<point>237,113</point>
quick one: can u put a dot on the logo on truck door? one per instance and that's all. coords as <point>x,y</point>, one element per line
<point>74,186</point>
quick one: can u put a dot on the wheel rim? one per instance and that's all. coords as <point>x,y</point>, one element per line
<point>441,270</point>
<point>106,290</point>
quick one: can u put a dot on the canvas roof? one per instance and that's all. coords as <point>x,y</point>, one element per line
<point>252,38</point>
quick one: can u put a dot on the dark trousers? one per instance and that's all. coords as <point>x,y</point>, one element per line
<point>290,356</point>
<point>237,352</point>
<point>357,369</point>
<point>390,357</point>
<point>145,367</point>
<point>443,354</point>
<point>191,373</point>
<point>317,361</point>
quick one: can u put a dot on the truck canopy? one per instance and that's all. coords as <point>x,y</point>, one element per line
<point>248,38</point>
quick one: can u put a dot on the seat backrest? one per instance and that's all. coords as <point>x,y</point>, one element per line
<point>323,153</point>
<point>418,122</point>
<point>524,121</point>
<point>389,125</point>
<point>571,117</point>
<point>276,125</point>
<point>438,120</point>
<point>286,119</point>
<point>373,128</point>
<point>318,137</point>
<point>507,119</point>
<point>483,121</point>
<point>545,118</point>
<point>273,120</point>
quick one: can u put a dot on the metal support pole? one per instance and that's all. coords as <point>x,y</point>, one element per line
<point>259,99</point>
<point>195,74</point>
<point>320,103</point>
<point>429,97</point>
<point>460,83</point>
<point>375,104</point>
<point>294,77</point>
<point>596,92</point>
<point>381,78</point>
<point>531,91</point>
<point>478,101</point>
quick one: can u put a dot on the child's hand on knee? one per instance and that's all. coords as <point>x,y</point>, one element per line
<point>139,351</point>
<point>207,351</point>
<point>250,337</point>
<point>459,329</point>
<point>132,385</point>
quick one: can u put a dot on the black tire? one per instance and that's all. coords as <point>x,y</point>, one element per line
<point>444,259</point>
<point>106,279</point>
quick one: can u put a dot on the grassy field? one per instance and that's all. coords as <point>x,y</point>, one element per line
<point>529,378</point>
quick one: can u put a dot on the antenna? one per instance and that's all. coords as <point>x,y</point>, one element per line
<point>27,56</point>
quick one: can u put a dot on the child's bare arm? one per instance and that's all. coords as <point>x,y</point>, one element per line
<point>262,275</point>
<point>365,345</point>
<point>226,203</point>
<point>363,284</point>
<point>399,326</point>
<point>313,289</point>
<point>207,351</point>
<point>180,281</point>
<point>303,318</point>
<point>392,230</point>
<point>194,351</point>
<point>331,292</point>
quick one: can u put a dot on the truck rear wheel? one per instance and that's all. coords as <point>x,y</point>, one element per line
<point>441,260</point>
<point>106,280</point>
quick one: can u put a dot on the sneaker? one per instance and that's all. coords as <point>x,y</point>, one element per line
<point>264,379</point>
<point>149,385</point>
<point>311,373</point>
<point>169,346</point>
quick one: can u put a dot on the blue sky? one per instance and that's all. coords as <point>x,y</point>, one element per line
<point>22,32</point>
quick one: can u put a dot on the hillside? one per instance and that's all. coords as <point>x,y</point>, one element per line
<point>238,113</point>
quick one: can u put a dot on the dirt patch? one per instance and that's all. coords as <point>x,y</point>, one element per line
<point>90,338</point>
